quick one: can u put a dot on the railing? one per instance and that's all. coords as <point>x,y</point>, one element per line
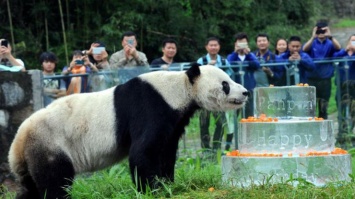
<point>235,69</point>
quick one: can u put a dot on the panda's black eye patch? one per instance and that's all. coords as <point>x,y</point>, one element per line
<point>226,88</point>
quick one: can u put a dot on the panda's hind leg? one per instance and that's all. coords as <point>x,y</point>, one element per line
<point>27,189</point>
<point>52,172</point>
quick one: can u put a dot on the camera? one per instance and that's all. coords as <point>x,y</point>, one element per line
<point>243,45</point>
<point>79,62</point>
<point>97,50</point>
<point>4,43</point>
<point>320,30</point>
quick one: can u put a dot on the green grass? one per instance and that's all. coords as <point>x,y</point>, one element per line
<point>332,107</point>
<point>345,23</point>
<point>4,193</point>
<point>192,180</point>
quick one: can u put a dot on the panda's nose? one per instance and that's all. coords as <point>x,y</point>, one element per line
<point>246,93</point>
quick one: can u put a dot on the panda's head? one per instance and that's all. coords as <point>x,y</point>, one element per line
<point>214,90</point>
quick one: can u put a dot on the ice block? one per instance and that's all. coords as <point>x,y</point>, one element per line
<point>318,170</point>
<point>287,143</point>
<point>286,136</point>
<point>285,102</point>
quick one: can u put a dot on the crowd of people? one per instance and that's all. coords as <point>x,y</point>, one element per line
<point>320,46</point>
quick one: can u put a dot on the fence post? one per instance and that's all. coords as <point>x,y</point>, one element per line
<point>338,98</point>
<point>297,73</point>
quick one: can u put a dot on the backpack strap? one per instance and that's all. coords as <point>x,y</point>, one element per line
<point>223,61</point>
<point>204,60</point>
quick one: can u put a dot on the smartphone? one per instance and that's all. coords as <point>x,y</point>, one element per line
<point>352,43</point>
<point>243,45</point>
<point>97,50</point>
<point>4,43</point>
<point>130,41</point>
<point>79,62</point>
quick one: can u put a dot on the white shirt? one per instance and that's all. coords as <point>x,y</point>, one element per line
<point>241,57</point>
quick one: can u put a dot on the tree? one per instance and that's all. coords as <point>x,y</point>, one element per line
<point>37,24</point>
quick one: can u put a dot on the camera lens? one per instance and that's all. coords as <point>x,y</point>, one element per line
<point>320,31</point>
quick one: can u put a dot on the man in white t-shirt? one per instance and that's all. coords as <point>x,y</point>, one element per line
<point>7,59</point>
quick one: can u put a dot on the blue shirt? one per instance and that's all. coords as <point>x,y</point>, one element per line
<point>319,51</point>
<point>304,65</point>
<point>253,65</point>
<point>351,70</point>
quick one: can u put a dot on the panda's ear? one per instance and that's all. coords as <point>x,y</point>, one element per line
<point>193,72</point>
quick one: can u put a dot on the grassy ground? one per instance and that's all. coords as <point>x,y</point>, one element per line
<point>195,178</point>
<point>332,108</point>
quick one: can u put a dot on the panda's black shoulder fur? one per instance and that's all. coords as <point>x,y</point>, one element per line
<point>140,108</point>
<point>193,72</point>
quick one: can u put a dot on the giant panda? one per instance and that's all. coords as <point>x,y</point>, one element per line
<point>142,119</point>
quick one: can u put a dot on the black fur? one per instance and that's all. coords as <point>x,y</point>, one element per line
<point>27,188</point>
<point>51,172</point>
<point>225,87</point>
<point>152,131</point>
<point>193,72</point>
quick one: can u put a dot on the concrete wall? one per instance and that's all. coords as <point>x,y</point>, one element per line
<point>20,96</point>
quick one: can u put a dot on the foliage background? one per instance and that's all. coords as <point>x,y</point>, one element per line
<point>37,26</point>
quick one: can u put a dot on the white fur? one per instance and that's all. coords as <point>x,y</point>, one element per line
<point>81,125</point>
<point>173,86</point>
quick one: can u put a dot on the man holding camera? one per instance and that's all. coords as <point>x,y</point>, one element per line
<point>129,55</point>
<point>79,64</point>
<point>321,45</point>
<point>240,55</point>
<point>7,59</point>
